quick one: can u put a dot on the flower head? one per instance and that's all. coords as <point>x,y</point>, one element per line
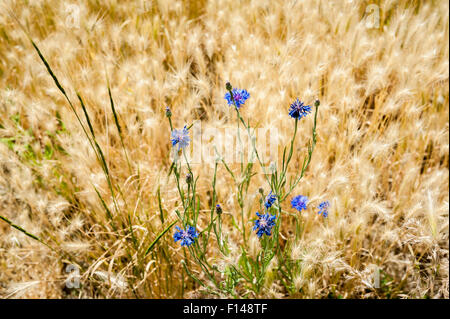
<point>218,209</point>
<point>264,224</point>
<point>323,208</point>
<point>187,237</point>
<point>180,137</point>
<point>297,110</point>
<point>240,96</point>
<point>299,202</point>
<point>270,199</point>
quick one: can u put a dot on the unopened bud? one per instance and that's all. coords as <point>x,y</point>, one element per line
<point>188,178</point>
<point>168,112</point>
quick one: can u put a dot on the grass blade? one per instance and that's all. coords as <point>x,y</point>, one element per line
<point>24,231</point>
<point>159,237</point>
<point>119,129</point>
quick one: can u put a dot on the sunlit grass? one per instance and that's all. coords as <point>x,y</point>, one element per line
<point>90,178</point>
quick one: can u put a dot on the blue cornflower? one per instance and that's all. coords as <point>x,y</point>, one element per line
<point>180,137</point>
<point>297,110</point>
<point>187,237</point>
<point>264,224</point>
<point>299,202</point>
<point>323,208</point>
<point>270,199</point>
<point>240,96</point>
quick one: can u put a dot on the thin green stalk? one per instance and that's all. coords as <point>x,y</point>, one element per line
<point>308,157</point>
<point>119,129</point>
<point>25,232</point>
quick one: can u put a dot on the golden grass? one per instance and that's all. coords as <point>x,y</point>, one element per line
<point>382,155</point>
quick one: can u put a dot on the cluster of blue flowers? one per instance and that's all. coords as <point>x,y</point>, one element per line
<point>265,222</point>
<point>300,203</point>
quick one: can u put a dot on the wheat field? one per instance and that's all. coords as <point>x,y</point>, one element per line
<point>379,68</point>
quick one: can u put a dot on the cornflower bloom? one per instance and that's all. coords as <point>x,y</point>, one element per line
<point>240,96</point>
<point>270,199</point>
<point>264,224</point>
<point>299,202</point>
<point>187,237</point>
<point>297,110</point>
<point>180,137</point>
<point>323,208</point>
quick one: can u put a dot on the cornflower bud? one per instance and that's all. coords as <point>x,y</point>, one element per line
<point>168,112</point>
